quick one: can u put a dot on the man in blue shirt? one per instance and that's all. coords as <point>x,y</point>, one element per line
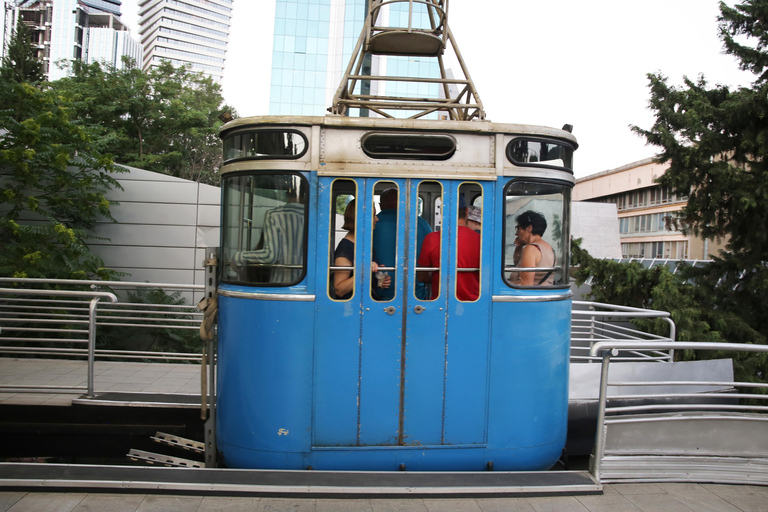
<point>385,239</point>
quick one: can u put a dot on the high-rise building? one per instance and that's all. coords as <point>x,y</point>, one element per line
<point>313,43</point>
<point>67,30</point>
<point>182,32</point>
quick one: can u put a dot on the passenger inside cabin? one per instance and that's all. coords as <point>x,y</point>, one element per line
<point>474,218</point>
<point>281,248</point>
<point>385,240</point>
<point>344,256</point>
<point>535,251</point>
<point>468,256</point>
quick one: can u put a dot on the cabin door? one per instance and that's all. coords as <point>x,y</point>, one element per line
<point>406,364</point>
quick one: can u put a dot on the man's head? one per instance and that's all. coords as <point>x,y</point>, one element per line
<point>474,217</point>
<point>388,199</point>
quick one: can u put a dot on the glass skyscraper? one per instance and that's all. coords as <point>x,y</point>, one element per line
<point>192,32</point>
<point>313,43</point>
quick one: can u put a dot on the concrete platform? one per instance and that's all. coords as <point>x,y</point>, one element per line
<point>615,498</point>
<point>109,377</point>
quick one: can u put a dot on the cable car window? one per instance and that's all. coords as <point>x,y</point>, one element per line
<point>260,144</point>
<point>387,198</point>
<point>468,242</point>
<point>536,234</point>
<point>341,280</point>
<point>429,241</point>
<point>540,153</point>
<point>409,146</point>
<point>264,229</point>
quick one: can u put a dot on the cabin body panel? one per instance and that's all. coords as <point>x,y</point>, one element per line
<point>454,365</point>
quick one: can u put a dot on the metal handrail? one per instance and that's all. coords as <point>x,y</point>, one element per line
<point>72,308</point>
<point>590,326</point>
<point>609,349</point>
<point>94,298</point>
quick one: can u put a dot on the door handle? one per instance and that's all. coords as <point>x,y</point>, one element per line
<point>418,309</point>
<point>390,310</point>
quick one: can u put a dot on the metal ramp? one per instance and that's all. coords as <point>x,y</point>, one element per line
<point>682,436</point>
<point>407,28</point>
<point>706,446</point>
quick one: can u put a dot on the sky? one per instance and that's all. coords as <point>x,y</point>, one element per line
<point>543,62</point>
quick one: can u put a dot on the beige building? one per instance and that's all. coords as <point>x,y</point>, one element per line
<point>648,213</point>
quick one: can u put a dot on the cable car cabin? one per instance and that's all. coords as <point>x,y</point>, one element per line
<point>374,311</point>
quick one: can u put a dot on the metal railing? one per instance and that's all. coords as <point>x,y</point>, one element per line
<point>593,322</point>
<point>35,321</point>
<point>691,435</point>
<point>672,263</point>
<point>92,299</point>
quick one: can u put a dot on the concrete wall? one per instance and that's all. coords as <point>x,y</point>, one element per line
<point>629,177</point>
<point>598,225</point>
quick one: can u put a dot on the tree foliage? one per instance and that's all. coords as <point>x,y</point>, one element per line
<point>700,302</point>
<point>163,120</point>
<point>20,62</point>
<point>716,141</point>
<point>52,184</point>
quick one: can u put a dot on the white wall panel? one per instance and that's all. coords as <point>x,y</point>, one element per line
<point>146,257</point>
<point>209,195</point>
<point>209,215</point>
<point>152,275</point>
<point>147,235</point>
<point>156,192</point>
<point>156,213</point>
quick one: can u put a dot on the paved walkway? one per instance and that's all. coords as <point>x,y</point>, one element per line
<point>108,376</point>
<point>660,497</point>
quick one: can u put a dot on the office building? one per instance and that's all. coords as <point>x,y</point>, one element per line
<point>313,43</point>
<point>67,30</point>
<point>649,214</point>
<point>194,32</point>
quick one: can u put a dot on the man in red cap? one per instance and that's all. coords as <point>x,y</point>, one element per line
<point>468,256</point>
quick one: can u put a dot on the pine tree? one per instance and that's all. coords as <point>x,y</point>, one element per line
<point>20,62</point>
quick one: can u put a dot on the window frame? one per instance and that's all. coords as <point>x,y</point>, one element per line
<point>226,228</point>
<point>409,156</point>
<point>509,154</point>
<point>250,131</point>
<point>567,189</point>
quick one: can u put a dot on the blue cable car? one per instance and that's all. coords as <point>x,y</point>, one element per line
<point>428,342</point>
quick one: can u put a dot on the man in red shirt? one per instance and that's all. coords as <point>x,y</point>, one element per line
<point>467,283</point>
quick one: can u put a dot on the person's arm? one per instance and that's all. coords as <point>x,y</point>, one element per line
<point>270,251</point>
<point>343,280</point>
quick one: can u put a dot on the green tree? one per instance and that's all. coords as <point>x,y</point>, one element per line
<point>52,185</point>
<point>716,142</point>
<point>695,304</point>
<point>164,120</point>
<point>20,62</point>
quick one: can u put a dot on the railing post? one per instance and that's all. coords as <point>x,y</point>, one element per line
<point>591,329</point>
<point>597,455</point>
<point>91,343</point>
<point>672,336</point>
